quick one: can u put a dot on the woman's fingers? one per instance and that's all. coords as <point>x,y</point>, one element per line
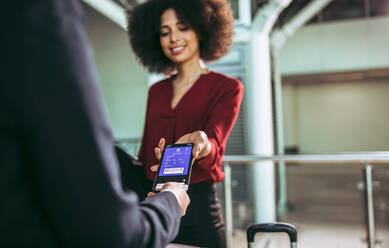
<point>161,144</point>
<point>154,168</point>
<point>197,150</point>
<point>184,139</point>
<point>158,150</point>
<point>158,153</point>
<point>198,138</point>
<point>202,147</point>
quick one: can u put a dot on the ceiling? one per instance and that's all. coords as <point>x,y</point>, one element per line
<point>336,10</point>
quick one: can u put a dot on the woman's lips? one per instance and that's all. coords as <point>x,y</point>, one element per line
<point>177,50</point>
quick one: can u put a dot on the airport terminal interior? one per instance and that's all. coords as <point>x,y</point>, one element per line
<point>316,77</point>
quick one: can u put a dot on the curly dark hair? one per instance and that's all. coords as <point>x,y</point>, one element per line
<point>212,20</point>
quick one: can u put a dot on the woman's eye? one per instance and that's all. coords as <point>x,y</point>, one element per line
<point>163,34</point>
<point>184,28</point>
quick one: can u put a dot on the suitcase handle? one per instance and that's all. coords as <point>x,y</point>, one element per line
<point>272,227</point>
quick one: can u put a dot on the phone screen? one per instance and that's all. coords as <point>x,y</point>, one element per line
<point>175,166</point>
<point>176,161</point>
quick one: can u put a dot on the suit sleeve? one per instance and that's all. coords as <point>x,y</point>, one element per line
<point>222,119</point>
<point>68,143</point>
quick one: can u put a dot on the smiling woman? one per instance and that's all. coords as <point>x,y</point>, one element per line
<point>193,105</point>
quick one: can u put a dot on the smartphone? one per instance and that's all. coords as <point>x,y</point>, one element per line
<point>175,165</point>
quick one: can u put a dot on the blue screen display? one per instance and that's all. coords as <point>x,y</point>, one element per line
<point>175,161</point>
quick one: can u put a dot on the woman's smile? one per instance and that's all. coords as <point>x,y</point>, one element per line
<point>177,50</point>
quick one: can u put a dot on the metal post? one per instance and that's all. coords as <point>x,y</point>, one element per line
<point>260,126</point>
<point>259,108</point>
<point>369,206</point>
<point>282,201</point>
<point>228,204</point>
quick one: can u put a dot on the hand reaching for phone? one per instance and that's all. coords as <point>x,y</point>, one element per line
<point>180,193</point>
<point>200,150</point>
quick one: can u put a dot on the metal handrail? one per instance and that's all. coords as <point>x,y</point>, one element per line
<point>363,158</point>
<point>369,157</point>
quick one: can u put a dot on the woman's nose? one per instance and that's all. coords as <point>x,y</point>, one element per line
<point>174,36</point>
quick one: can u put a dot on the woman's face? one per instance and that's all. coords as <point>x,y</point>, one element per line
<point>179,41</point>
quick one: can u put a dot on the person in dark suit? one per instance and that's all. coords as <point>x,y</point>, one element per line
<point>60,181</point>
<point>132,173</point>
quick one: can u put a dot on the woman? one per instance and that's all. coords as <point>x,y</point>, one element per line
<point>193,105</point>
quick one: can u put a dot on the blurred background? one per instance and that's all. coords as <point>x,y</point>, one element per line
<point>329,81</point>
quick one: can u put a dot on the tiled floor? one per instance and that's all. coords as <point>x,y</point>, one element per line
<point>314,235</point>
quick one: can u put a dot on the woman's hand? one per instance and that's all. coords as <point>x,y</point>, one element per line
<point>200,150</point>
<point>200,140</point>
<point>158,153</point>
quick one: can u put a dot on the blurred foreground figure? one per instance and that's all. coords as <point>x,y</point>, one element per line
<point>59,176</point>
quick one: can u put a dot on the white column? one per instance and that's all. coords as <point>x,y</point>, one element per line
<point>260,125</point>
<point>245,12</point>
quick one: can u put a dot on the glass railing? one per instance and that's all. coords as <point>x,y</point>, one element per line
<point>321,187</point>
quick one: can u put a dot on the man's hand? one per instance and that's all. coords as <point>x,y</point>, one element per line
<point>180,193</point>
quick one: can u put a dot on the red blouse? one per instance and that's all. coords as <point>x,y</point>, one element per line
<point>211,105</point>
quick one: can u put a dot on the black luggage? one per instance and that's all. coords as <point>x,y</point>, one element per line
<point>272,227</point>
